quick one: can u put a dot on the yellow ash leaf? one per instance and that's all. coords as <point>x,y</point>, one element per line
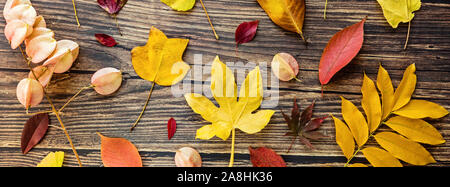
<point>180,5</point>
<point>53,159</point>
<point>344,138</point>
<point>232,113</point>
<point>288,14</point>
<point>358,165</point>
<point>406,88</point>
<point>396,11</point>
<point>371,103</point>
<point>160,60</point>
<point>384,84</point>
<point>418,109</point>
<point>416,130</point>
<point>356,121</point>
<point>404,149</point>
<point>380,158</point>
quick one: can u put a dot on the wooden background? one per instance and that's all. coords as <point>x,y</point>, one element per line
<point>429,48</point>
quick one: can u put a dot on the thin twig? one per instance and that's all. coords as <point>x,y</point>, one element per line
<point>209,20</point>
<point>117,24</point>
<point>54,111</point>
<point>325,10</point>
<point>233,134</point>
<point>145,107</point>
<point>74,96</point>
<point>76,14</point>
<point>407,36</point>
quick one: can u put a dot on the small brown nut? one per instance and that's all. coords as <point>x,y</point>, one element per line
<point>188,157</point>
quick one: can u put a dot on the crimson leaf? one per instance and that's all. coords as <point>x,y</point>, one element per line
<point>33,131</point>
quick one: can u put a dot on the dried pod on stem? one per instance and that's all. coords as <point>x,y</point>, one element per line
<point>107,81</point>
<point>187,157</point>
<point>285,67</point>
<point>29,92</point>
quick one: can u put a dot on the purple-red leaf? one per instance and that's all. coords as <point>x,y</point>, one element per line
<point>314,124</point>
<point>106,40</point>
<point>112,6</point>
<point>246,32</point>
<point>265,157</point>
<point>33,131</point>
<point>307,115</point>
<point>171,127</point>
<point>341,49</point>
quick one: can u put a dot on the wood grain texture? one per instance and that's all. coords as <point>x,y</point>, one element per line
<point>429,48</point>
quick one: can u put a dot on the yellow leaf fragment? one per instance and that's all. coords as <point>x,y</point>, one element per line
<point>288,14</point>
<point>357,165</point>
<point>53,159</point>
<point>416,130</point>
<point>356,121</point>
<point>384,84</point>
<point>180,5</point>
<point>380,158</point>
<point>344,138</point>
<point>418,109</point>
<point>371,103</point>
<point>404,149</point>
<point>396,11</point>
<point>406,88</point>
<point>160,60</point>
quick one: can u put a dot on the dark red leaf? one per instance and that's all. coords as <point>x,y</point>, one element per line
<point>246,32</point>
<point>340,51</point>
<point>112,6</point>
<point>314,135</point>
<point>314,124</point>
<point>306,142</point>
<point>307,115</point>
<point>265,157</point>
<point>171,127</point>
<point>106,40</point>
<point>33,131</point>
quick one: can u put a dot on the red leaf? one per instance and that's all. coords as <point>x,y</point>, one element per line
<point>265,157</point>
<point>112,6</point>
<point>106,40</point>
<point>246,32</point>
<point>314,124</point>
<point>33,131</point>
<point>119,152</point>
<point>340,51</point>
<point>171,127</point>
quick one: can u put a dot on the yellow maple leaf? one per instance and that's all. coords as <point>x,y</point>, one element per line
<point>232,114</point>
<point>53,159</point>
<point>160,61</point>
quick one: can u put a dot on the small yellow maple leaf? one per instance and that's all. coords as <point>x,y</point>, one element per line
<point>160,61</point>
<point>232,113</point>
<point>53,159</point>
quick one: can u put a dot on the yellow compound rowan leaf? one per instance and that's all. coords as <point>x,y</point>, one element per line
<point>53,159</point>
<point>371,103</point>
<point>384,84</point>
<point>232,113</point>
<point>416,130</point>
<point>380,158</point>
<point>357,165</point>
<point>418,109</point>
<point>406,88</point>
<point>404,149</point>
<point>344,138</point>
<point>396,11</point>
<point>356,121</point>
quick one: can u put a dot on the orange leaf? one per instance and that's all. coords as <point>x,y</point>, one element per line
<point>119,152</point>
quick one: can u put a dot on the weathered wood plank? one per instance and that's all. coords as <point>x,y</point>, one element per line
<point>429,48</point>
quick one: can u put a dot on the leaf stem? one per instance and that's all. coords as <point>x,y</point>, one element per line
<point>75,12</point>
<point>74,96</point>
<point>298,80</point>
<point>407,35</point>
<point>145,107</point>
<point>233,135</point>
<point>117,24</point>
<point>54,110</point>
<point>292,143</point>
<point>209,20</point>
<point>325,10</point>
